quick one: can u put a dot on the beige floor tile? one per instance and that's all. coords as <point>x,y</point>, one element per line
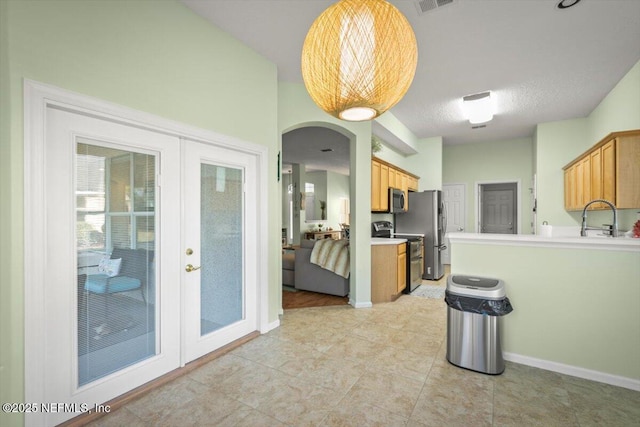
<point>455,397</point>
<point>393,393</point>
<point>380,366</point>
<point>338,375</point>
<point>274,352</point>
<point>258,419</point>
<point>162,402</point>
<point>355,348</point>
<point>360,414</point>
<point>120,418</point>
<point>254,385</point>
<point>400,361</point>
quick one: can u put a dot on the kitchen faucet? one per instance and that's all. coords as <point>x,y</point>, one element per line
<point>583,230</point>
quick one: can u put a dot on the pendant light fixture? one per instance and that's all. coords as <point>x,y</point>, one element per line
<point>359,59</point>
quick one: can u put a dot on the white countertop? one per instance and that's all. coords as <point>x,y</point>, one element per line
<point>386,241</point>
<point>595,242</point>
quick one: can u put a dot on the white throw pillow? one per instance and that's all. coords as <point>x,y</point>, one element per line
<point>110,267</point>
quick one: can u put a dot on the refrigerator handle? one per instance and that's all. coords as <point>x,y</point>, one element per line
<point>444,220</point>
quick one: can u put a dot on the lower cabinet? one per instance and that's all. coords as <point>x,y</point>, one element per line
<point>388,272</point>
<point>402,268</point>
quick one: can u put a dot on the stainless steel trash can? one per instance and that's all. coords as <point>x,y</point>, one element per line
<point>475,306</point>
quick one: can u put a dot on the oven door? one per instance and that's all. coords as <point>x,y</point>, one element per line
<point>415,274</point>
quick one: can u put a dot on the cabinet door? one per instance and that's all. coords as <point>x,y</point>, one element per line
<point>413,183</point>
<point>402,268</point>
<point>574,187</point>
<point>585,177</point>
<point>596,177</point>
<point>628,171</point>
<point>405,188</point>
<point>567,189</point>
<point>392,178</point>
<point>384,187</point>
<point>609,171</point>
<point>578,184</point>
<point>375,186</point>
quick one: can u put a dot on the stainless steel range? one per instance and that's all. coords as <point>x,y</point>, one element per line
<point>415,244</point>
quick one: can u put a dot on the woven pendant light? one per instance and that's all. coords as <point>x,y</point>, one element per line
<point>359,59</point>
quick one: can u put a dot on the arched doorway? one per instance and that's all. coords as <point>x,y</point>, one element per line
<point>315,205</point>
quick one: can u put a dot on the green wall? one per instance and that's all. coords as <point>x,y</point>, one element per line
<point>509,160</point>
<point>620,110</point>
<point>158,57</point>
<point>577,307</point>
<point>560,142</point>
<point>10,353</point>
<point>426,163</point>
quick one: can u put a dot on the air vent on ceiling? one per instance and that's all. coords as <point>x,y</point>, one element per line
<point>478,127</point>
<point>424,6</point>
<point>327,150</point>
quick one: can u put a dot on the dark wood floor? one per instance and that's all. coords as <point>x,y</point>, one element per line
<point>305,299</point>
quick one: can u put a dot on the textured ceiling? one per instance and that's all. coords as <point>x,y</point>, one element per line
<point>543,64</point>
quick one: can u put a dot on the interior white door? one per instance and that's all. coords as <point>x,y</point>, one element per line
<point>454,196</point>
<point>109,188</point>
<point>220,253</point>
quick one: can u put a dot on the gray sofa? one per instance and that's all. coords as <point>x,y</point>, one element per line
<point>311,277</point>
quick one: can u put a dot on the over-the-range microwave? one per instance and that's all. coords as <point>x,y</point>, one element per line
<point>396,200</point>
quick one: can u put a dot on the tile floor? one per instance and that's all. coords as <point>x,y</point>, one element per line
<point>384,366</point>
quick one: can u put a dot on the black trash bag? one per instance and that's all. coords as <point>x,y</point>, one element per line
<point>478,305</point>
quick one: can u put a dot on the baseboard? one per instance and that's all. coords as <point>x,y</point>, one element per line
<point>271,326</point>
<point>360,304</point>
<point>574,371</point>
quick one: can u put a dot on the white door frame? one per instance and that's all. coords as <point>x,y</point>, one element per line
<point>478,208</point>
<point>37,98</point>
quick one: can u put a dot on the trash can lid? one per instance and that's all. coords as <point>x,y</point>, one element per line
<point>474,286</point>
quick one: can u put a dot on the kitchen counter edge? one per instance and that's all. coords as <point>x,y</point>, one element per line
<point>375,241</point>
<point>598,243</point>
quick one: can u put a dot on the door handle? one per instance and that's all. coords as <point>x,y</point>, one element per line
<point>189,268</point>
<point>460,229</point>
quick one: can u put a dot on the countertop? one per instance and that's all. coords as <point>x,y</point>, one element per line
<point>386,241</point>
<point>595,242</point>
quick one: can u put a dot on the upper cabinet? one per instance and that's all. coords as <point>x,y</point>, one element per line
<point>610,170</point>
<point>384,175</point>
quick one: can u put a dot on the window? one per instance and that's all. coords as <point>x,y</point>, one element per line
<point>115,196</point>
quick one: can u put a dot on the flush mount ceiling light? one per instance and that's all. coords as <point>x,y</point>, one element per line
<point>359,59</point>
<point>478,108</point>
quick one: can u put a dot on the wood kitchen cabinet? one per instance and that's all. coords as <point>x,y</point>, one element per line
<point>376,186</point>
<point>388,272</point>
<point>384,186</point>
<point>402,268</point>
<point>384,175</point>
<point>610,170</point>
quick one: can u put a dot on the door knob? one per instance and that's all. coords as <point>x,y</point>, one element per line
<point>189,268</point>
<point>460,229</point>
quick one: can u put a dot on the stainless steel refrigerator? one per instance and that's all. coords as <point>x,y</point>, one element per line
<point>426,215</point>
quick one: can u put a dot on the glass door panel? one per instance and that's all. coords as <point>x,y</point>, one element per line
<point>115,223</point>
<point>221,237</point>
<point>220,250</point>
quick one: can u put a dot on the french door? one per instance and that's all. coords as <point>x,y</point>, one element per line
<point>149,257</point>
<point>108,328</point>
<point>220,252</point>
